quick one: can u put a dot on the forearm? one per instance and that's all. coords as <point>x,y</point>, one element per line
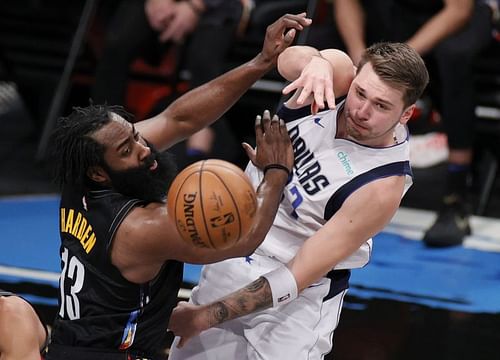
<point>445,23</point>
<point>350,20</point>
<point>203,105</point>
<point>253,297</point>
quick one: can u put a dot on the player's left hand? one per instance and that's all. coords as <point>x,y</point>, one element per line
<point>280,34</point>
<point>188,320</point>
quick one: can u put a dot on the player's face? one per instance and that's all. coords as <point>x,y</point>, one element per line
<point>373,108</point>
<point>134,167</point>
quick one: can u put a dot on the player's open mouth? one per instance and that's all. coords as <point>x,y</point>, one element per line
<point>154,166</point>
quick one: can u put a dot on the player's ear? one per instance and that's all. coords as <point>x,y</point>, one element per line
<point>407,114</point>
<point>98,174</point>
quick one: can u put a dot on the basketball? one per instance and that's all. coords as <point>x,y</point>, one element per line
<point>212,203</point>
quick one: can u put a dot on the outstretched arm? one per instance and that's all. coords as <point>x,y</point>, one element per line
<point>450,19</point>
<point>203,105</point>
<point>317,76</point>
<point>363,215</point>
<point>350,20</point>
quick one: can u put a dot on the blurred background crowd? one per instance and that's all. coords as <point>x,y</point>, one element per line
<point>143,54</point>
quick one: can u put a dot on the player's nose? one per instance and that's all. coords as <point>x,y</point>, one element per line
<point>144,152</point>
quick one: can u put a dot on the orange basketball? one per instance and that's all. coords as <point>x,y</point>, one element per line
<point>212,203</point>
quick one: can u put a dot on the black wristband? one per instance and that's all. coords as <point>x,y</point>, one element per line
<point>277,166</point>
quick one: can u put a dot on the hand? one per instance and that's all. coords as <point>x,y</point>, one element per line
<point>187,320</point>
<point>159,13</point>
<point>183,21</point>
<point>273,143</point>
<point>314,85</point>
<point>280,34</point>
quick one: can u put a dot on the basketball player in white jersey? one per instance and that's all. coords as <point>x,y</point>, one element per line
<point>351,170</point>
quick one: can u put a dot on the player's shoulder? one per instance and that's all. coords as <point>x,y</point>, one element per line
<point>387,190</point>
<point>142,217</point>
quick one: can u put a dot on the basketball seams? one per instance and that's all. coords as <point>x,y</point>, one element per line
<point>235,203</point>
<point>214,180</point>
<point>178,194</point>
<point>239,173</point>
<point>202,208</point>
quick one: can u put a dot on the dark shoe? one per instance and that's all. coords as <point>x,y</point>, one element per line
<point>451,226</point>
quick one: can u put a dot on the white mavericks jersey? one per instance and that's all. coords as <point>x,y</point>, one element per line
<point>326,171</point>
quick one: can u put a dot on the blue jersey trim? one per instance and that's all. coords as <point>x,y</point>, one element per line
<point>293,114</point>
<point>339,281</point>
<point>392,169</point>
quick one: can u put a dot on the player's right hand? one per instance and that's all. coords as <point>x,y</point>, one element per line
<point>280,34</point>
<point>188,320</point>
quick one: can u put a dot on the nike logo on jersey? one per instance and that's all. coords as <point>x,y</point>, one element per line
<point>317,122</point>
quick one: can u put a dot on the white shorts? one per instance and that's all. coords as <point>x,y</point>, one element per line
<point>301,329</point>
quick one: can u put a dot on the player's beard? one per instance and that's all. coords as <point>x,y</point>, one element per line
<point>143,183</point>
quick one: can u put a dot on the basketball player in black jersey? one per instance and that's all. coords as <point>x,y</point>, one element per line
<point>23,335</point>
<point>121,257</point>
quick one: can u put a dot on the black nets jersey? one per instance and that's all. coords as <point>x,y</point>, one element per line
<point>98,307</point>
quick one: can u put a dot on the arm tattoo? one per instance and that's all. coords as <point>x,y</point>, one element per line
<point>253,297</point>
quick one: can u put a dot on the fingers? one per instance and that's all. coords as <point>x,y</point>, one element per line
<point>319,95</point>
<point>289,36</point>
<point>250,151</point>
<point>258,127</point>
<point>330,96</point>
<point>270,125</point>
<point>282,127</point>
<point>314,108</point>
<point>265,127</point>
<point>298,21</point>
<point>288,21</point>
<point>294,85</point>
<point>266,121</point>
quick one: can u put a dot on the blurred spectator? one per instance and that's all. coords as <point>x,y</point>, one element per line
<point>449,34</point>
<point>206,28</point>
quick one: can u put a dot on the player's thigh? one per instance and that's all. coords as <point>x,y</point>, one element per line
<point>301,329</point>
